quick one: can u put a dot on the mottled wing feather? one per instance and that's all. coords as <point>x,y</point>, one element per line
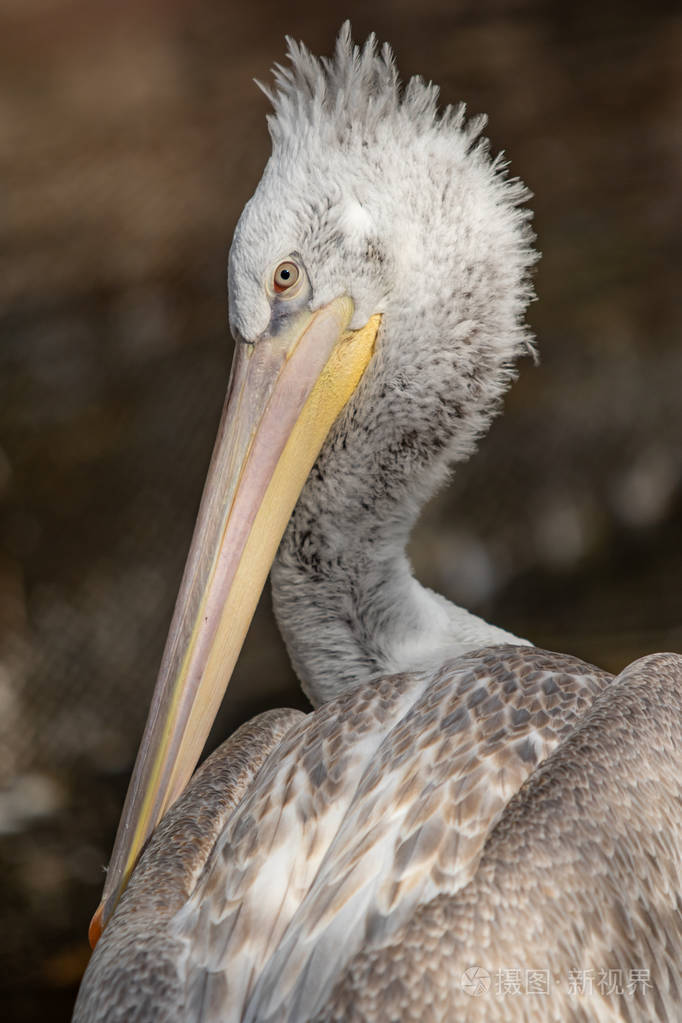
<point>339,865</point>
<point>137,972</point>
<point>581,875</point>
<point>426,802</point>
<point>266,859</point>
<point>379,801</point>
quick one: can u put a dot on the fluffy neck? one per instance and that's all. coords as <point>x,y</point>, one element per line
<point>352,619</point>
<point>346,601</point>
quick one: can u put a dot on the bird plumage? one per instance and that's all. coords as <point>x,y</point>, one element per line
<point>403,208</point>
<point>580,881</point>
<point>458,797</point>
<point>507,812</point>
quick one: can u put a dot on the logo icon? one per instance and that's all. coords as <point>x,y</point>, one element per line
<point>475,981</point>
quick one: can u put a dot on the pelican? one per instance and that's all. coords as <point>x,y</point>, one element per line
<point>465,827</point>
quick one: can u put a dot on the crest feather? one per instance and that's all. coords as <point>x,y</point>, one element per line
<point>352,93</point>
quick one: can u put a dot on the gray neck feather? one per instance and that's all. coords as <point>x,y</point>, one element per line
<point>409,215</point>
<point>346,601</point>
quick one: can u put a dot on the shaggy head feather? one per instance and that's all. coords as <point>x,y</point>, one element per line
<point>382,198</point>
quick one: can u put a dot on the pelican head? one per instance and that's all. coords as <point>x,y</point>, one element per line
<point>378,280</point>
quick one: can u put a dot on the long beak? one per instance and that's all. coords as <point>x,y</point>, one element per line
<point>284,394</point>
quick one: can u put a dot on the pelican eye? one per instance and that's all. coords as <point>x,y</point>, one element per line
<point>285,276</point>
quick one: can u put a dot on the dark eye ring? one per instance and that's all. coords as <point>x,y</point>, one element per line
<point>285,276</point>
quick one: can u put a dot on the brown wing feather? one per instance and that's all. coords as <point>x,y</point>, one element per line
<point>425,804</point>
<point>366,809</point>
<point>583,872</point>
<point>135,973</point>
<point>368,848</point>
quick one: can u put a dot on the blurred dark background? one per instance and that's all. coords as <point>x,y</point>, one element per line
<point>131,135</point>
